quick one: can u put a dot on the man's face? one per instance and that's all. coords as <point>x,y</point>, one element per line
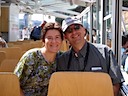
<point>75,33</point>
<point>126,45</point>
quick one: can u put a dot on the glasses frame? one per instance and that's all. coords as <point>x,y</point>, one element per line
<point>70,30</point>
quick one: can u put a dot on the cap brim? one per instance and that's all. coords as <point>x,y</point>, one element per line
<point>66,26</point>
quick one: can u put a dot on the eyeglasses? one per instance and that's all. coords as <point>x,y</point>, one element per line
<point>57,38</point>
<point>70,30</point>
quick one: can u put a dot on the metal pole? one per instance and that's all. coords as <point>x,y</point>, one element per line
<point>97,22</point>
<point>116,28</point>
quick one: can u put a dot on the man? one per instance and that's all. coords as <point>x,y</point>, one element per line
<point>84,56</point>
<point>36,32</point>
<point>25,33</point>
<point>124,49</point>
<point>124,43</point>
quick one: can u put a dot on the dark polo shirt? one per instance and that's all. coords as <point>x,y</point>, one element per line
<point>96,62</point>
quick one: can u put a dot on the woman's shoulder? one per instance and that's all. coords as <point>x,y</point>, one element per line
<point>31,52</point>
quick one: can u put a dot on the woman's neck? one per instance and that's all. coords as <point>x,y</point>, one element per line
<point>49,56</point>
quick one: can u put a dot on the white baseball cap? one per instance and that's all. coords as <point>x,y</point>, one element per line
<point>69,21</point>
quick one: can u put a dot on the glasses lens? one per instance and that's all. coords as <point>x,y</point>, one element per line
<point>69,30</point>
<point>76,27</point>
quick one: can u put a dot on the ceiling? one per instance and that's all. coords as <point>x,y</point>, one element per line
<point>59,8</point>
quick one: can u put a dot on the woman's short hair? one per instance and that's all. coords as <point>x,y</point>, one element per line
<point>49,26</point>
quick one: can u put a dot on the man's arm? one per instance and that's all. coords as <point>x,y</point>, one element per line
<point>116,89</point>
<point>115,72</point>
<point>115,68</point>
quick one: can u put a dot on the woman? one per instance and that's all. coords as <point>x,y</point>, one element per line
<point>36,66</point>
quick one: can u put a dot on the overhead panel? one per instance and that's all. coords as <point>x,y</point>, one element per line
<point>63,8</point>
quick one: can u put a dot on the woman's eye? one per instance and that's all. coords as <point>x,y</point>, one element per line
<point>49,38</point>
<point>58,37</point>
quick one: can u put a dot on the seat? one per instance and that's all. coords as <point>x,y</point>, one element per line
<point>24,46</point>
<point>8,65</point>
<point>9,84</point>
<point>36,44</point>
<point>80,84</point>
<point>10,44</point>
<point>18,43</point>
<point>2,56</point>
<point>12,52</point>
<point>64,46</point>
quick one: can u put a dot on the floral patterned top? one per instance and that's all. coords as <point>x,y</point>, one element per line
<point>34,73</point>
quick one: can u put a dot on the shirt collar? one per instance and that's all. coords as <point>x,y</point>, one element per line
<point>82,52</point>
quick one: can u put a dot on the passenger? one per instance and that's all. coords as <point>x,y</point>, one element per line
<point>42,25</point>
<point>124,49</point>
<point>125,61</point>
<point>36,65</point>
<point>94,35</point>
<point>36,32</point>
<point>124,44</point>
<point>25,33</point>
<point>3,43</point>
<point>84,56</point>
<point>31,32</point>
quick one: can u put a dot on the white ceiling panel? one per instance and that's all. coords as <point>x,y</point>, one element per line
<point>50,7</point>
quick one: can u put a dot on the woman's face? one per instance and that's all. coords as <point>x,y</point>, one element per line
<point>53,40</point>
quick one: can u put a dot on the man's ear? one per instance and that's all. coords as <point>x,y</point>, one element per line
<point>86,32</point>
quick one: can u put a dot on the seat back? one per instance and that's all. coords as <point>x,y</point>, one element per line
<point>80,84</point>
<point>12,52</point>
<point>36,44</point>
<point>9,84</point>
<point>8,65</point>
<point>65,46</point>
<point>2,56</point>
<point>24,46</point>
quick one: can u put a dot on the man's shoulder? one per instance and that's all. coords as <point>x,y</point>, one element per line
<point>102,48</point>
<point>66,53</point>
<point>100,45</point>
<point>64,56</point>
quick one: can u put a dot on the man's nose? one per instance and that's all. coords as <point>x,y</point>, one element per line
<point>73,31</point>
